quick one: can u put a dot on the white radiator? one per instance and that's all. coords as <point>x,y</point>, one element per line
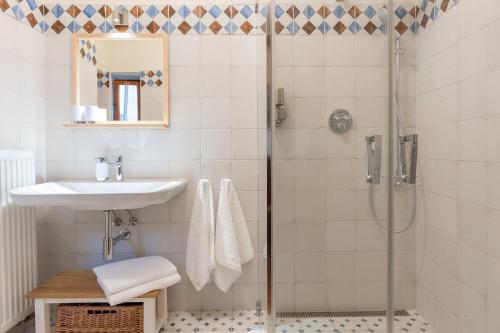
<point>18,259</point>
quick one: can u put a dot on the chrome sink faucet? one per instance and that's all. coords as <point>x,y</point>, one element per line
<point>102,169</point>
<point>118,166</point>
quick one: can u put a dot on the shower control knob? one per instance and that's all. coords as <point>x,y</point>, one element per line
<point>340,121</point>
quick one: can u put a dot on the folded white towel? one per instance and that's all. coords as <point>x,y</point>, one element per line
<point>200,256</point>
<point>233,245</point>
<point>125,275</point>
<point>129,294</point>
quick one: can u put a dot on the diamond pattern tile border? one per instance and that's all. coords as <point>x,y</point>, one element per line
<point>341,19</point>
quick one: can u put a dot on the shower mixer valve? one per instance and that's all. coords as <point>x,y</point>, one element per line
<point>281,113</point>
<point>405,175</point>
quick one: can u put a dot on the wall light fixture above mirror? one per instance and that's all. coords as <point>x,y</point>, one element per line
<point>125,76</point>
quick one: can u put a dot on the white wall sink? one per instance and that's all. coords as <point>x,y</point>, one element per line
<point>88,195</point>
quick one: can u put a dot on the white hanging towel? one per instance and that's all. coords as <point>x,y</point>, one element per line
<point>200,254</point>
<point>233,245</point>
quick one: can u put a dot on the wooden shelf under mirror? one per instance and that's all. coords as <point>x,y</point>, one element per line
<point>120,124</point>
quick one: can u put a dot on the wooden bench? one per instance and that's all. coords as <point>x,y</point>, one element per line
<point>82,287</point>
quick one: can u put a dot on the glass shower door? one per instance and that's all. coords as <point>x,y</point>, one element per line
<point>330,249</point>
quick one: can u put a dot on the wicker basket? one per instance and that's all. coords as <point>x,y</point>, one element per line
<point>97,318</point>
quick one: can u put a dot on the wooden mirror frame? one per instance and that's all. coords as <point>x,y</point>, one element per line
<point>75,75</point>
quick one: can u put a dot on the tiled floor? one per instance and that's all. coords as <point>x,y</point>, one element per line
<point>248,321</point>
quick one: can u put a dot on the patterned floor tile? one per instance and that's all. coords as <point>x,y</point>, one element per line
<point>287,325</point>
<point>376,323</point>
<point>183,321</point>
<point>317,325</point>
<point>247,321</point>
<point>350,323</point>
<point>215,321</point>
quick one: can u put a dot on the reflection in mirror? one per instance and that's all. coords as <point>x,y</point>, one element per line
<point>124,77</point>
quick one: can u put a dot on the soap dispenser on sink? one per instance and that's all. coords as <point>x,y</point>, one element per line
<point>101,169</point>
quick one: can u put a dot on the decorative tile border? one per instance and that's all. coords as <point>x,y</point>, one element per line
<point>172,19</point>
<point>432,10</point>
<point>103,78</point>
<point>339,19</point>
<point>151,78</point>
<point>88,51</point>
<point>214,19</point>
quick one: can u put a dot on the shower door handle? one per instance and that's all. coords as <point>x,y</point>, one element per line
<point>373,158</point>
<point>412,139</point>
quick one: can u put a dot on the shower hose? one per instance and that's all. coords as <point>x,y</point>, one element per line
<point>414,187</point>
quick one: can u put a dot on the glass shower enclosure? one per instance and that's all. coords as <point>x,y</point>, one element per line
<point>342,162</point>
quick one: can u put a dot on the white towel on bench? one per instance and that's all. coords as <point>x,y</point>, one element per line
<point>127,279</point>
<point>130,294</point>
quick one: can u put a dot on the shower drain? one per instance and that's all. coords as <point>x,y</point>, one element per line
<point>339,314</point>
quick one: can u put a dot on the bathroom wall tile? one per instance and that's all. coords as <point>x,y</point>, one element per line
<point>308,51</point>
<point>184,50</point>
<point>371,51</point>
<point>339,81</point>
<point>339,52</point>
<point>492,316</point>
<point>187,169</point>
<point>178,237</point>
<point>244,51</point>
<point>340,236</point>
<point>58,263</point>
<point>473,224</point>
<point>184,144</point>
<point>370,266</point>
<point>472,182</point>
<point>309,267</point>
<point>243,112</point>
<point>245,174</point>
<point>186,81</point>
<point>309,236</point>
<point>184,296</point>
<point>154,238</point>
<point>61,237</point>
<point>213,298</point>
<point>215,171</point>
<point>492,193</point>
<point>340,266</point>
<point>308,205</point>
<point>473,53</point>
<point>215,81</point>
<point>216,113</point>
<point>308,82</point>
<point>243,82</point>
<point>216,144</point>
<point>308,144</point>
<point>244,144</point>
<point>309,174</point>
<point>250,204</point>
<point>492,279</point>
<point>472,267</point>
<point>370,237</point>
<point>310,296</point>
<point>446,289</point>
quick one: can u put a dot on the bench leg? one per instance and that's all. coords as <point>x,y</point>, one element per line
<point>149,316</point>
<point>162,309</point>
<point>42,316</point>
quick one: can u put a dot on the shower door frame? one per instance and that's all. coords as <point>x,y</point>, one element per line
<point>270,131</point>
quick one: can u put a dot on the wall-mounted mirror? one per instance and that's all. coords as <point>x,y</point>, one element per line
<point>125,76</point>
